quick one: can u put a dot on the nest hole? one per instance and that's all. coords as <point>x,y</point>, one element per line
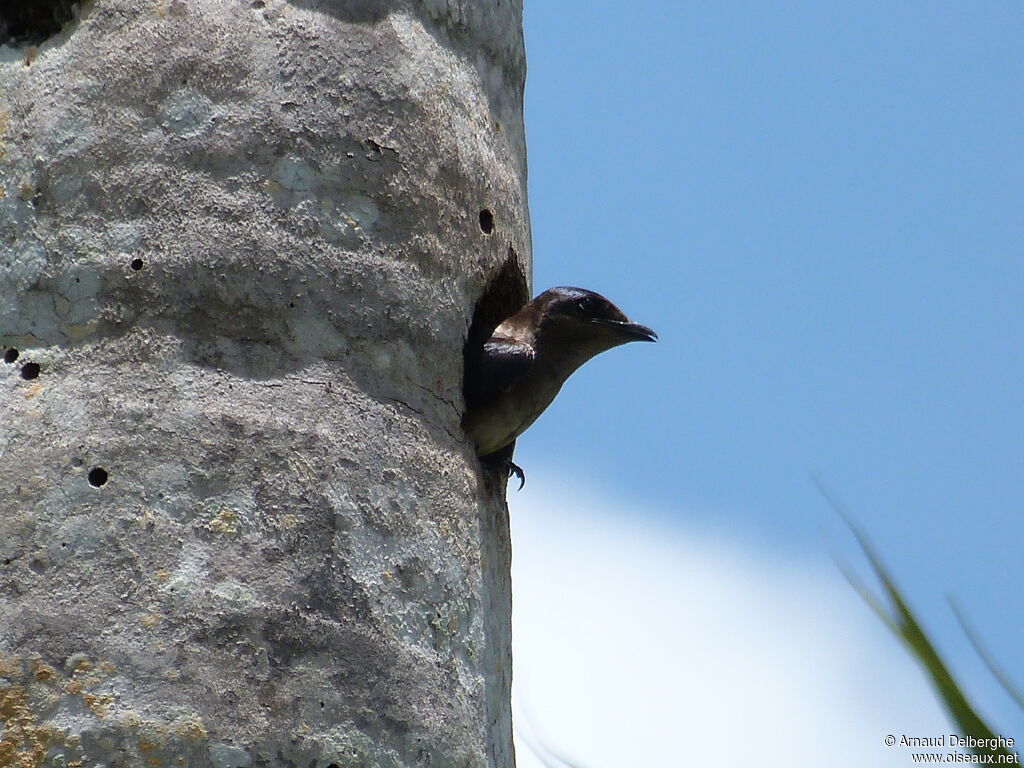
<point>505,294</point>
<point>486,221</point>
<point>98,477</point>
<point>30,371</point>
<point>30,23</point>
<point>10,355</point>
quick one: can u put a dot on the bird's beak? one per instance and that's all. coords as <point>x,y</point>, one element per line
<point>631,331</point>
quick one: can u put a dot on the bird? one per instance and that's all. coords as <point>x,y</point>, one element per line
<point>520,369</point>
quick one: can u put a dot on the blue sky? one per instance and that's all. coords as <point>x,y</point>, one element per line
<point>820,208</point>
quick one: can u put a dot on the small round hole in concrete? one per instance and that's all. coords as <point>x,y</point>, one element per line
<point>30,371</point>
<point>10,355</point>
<point>137,264</point>
<point>486,221</point>
<point>97,477</point>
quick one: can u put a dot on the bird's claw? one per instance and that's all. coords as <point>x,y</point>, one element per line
<point>517,471</point>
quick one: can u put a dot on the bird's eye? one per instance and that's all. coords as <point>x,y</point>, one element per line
<point>590,306</point>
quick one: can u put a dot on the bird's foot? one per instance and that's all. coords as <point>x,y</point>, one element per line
<point>501,462</point>
<point>517,471</point>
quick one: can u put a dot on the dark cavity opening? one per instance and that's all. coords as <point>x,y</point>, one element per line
<point>30,371</point>
<point>486,221</point>
<point>10,355</point>
<point>137,264</point>
<point>30,23</point>
<point>97,477</point>
<point>505,294</point>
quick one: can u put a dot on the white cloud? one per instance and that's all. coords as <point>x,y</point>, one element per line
<point>638,645</point>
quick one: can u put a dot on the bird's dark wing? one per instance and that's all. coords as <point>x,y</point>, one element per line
<point>501,364</point>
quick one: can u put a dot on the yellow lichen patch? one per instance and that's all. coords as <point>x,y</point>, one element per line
<point>98,705</point>
<point>80,681</point>
<point>32,390</point>
<point>107,668</point>
<point>161,575</point>
<point>25,742</point>
<point>148,750</point>
<point>192,728</point>
<point>289,521</point>
<point>44,673</point>
<point>150,620</point>
<point>224,521</point>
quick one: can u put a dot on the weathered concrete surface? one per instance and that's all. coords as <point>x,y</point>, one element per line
<point>240,244</point>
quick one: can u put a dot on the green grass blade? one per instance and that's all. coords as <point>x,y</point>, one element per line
<point>548,757</point>
<point>997,671</point>
<point>901,620</point>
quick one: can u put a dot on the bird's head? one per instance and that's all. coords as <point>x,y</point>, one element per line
<point>585,320</point>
